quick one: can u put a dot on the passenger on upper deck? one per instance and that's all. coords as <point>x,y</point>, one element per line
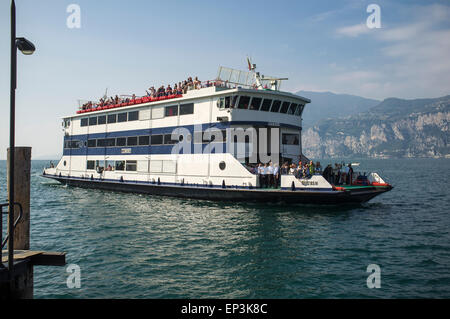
<point>168,90</point>
<point>190,83</point>
<point>161,91</point>
<point>152,91</point>
<point>197,83</point>
<point>87,106</point>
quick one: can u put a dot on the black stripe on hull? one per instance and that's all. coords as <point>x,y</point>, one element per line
<point>228,194</point>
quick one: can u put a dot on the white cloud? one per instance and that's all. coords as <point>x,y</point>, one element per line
<point>414,57</point>
<point>353,31</point>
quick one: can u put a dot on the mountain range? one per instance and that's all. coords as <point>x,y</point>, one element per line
<point>330,105</point>
<point>347,126</point>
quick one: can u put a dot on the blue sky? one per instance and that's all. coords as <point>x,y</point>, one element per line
<point>128,46</point>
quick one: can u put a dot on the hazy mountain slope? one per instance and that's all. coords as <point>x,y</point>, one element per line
<point>330,105</point>
<point>393,128</point>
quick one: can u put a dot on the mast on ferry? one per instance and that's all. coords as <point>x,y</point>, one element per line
<point>275,83</point>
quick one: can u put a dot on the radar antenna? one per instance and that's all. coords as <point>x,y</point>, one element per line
<point>275,83</point>
<point>250,79</point>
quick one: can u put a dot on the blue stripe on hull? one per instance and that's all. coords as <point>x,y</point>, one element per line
<point>214,148</point>
<point>154,149</point>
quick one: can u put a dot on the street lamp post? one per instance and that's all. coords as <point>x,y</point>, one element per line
<point>27,48</point>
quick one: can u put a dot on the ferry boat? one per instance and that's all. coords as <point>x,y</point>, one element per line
<point>200,144</point>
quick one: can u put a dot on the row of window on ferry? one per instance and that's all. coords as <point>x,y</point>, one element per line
<point>259,104</point>
<point>130,166</point>
<point>167,111</point>
<point>157,166</point>
<point>143,140</point>
<point>239,102</point>
<point>165,139</point>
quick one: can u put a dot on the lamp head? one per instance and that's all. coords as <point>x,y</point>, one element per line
<point>25,46</point>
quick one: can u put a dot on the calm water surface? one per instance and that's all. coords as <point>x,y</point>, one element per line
<point>137,246</point>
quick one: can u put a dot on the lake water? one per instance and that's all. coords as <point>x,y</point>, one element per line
<point>137,246</point>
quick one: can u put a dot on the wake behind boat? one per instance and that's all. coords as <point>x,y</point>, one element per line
<point>204,140</point>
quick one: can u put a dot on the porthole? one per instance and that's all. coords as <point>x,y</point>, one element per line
<point>222,165</point>
<point>180,138</point>
<point>65,163</point>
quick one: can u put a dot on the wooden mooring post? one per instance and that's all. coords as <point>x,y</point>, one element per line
<point>17,283</point>
<point>22,182</point>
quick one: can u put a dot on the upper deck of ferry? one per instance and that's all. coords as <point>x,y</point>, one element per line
<point>232,89</point>
<point>207,89</point>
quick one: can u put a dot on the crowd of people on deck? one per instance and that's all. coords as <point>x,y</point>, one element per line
<point>269,173</point>
<point>301,170</point>
<point>177,89</point>
<point>339,174</point>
